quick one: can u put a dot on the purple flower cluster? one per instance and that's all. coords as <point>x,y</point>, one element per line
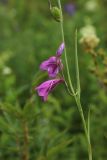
<point>53,66</point>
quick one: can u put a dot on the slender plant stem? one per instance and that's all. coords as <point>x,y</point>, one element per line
<point>85,127</point>
<point>77,97</point>
<point>66,60</point>
<point>77,66</point>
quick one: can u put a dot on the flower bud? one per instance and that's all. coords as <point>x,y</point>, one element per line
<point>60,49</point>
<point>56,13</point>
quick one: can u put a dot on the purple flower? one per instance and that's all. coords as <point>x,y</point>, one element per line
<point>60,49</point>
<point>70,8</point>
<point>53,65</point>
<point>46,87</point>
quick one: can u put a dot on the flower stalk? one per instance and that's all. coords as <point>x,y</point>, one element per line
<point>76,96</point>
<point>66,60</point>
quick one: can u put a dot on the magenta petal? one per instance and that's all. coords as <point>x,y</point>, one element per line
<point>52,59</point>
<point>53,71</point>
<point>41,91</point>
<point>60,49</point>
<point>45,64</point>
<point>44,84</point>
<point>46,87</point>
<point>53,65</point>
<point>50,66</point>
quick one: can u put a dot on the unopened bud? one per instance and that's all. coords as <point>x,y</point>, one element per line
<point>56,13</point>
<point>60,49</point>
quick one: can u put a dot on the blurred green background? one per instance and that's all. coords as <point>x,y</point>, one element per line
<point>29,128</point>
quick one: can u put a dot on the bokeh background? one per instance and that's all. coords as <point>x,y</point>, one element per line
<point>29,128</point>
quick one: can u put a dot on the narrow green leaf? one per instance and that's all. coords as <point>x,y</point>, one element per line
<point>4,126</point>
<point>88,127</point>
<point>76,65</point>
<point>52,151</point>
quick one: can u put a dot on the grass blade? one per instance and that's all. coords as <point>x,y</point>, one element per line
<point>77,66</point>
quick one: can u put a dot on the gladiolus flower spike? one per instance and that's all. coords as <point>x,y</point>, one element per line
<point>53,65</point>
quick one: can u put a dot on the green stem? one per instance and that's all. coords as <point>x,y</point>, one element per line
<point>85,127</point>
<point>77,66</point>
<point>66,60</point>
<point>77,97</point>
